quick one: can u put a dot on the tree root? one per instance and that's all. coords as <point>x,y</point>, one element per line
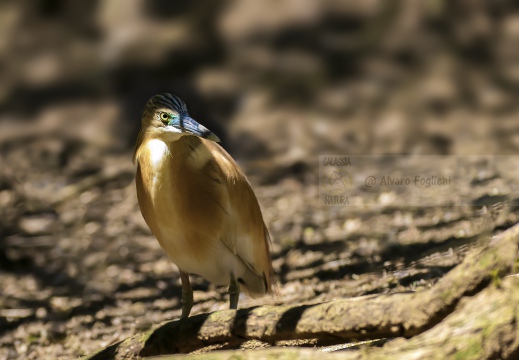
<point>369,317</point>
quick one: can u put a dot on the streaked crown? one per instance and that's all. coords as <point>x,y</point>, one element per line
<point>168,101</point>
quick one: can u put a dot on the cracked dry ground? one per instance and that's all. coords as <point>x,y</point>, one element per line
<point>79,269</point>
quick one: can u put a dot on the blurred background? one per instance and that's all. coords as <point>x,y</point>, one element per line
<point>280,82</point>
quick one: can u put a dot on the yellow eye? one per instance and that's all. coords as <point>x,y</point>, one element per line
<point>164,117</point>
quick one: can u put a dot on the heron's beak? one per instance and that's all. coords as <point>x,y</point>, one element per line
<point>188,124</point>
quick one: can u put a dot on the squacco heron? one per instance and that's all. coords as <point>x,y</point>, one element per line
<point>198,203</point>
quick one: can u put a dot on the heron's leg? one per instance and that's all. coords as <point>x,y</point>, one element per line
<point>234,293</point>
<point>187,295</point>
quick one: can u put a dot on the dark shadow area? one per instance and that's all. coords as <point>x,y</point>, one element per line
<point>155,346</point>
<point>291,317</point>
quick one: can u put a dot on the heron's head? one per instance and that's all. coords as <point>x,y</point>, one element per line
<point>167,114</point>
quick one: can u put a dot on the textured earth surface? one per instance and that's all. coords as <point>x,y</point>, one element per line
<point>80,269</point>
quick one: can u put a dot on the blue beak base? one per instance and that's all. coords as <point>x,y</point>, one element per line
<point>192,126</point>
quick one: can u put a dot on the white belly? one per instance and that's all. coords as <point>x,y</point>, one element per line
<point>216,267</point>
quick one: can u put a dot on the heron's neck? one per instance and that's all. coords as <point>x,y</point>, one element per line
<point>155,136</point>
